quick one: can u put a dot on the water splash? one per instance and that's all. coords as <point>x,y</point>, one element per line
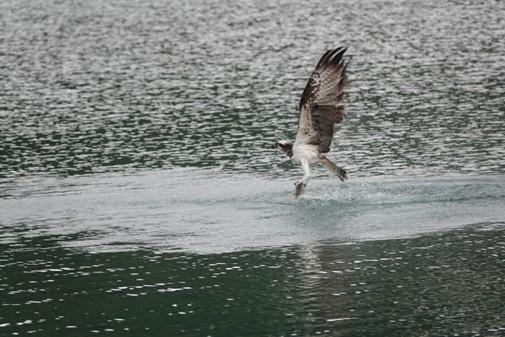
<point>211,211</point>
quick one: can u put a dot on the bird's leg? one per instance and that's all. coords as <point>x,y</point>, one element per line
<point>333,169</point>
<point>300,186</point>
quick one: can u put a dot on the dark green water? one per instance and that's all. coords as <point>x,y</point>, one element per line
<point>140,194</point>
<point>439,285</point>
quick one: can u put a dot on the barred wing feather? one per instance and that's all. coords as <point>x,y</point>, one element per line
<point>321,105</point>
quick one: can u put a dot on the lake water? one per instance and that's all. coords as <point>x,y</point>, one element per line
<point>140,193</point>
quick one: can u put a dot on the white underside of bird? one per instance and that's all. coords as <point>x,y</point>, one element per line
<point>306,155</point>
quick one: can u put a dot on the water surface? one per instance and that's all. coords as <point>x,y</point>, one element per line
<point>140,194</point>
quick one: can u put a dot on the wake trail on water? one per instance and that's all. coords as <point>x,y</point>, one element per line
<point>207,211</point>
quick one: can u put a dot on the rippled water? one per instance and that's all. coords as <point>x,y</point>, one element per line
<point>439,284</point>
<point>103,86</point>
<point>140,194</point>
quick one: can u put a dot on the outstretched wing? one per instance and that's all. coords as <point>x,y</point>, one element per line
<point>321,103</point>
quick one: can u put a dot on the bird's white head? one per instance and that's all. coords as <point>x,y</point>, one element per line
<point>286,146</point>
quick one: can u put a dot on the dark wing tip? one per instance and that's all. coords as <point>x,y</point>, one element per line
<point>346,60</point>
<point>332,56</point>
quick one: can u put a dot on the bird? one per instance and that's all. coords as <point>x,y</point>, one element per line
<point>320,109</point>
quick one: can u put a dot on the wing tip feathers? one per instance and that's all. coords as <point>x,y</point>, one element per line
<point>332,57</point>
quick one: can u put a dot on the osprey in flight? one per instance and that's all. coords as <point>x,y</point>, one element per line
<point>320,109</point>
